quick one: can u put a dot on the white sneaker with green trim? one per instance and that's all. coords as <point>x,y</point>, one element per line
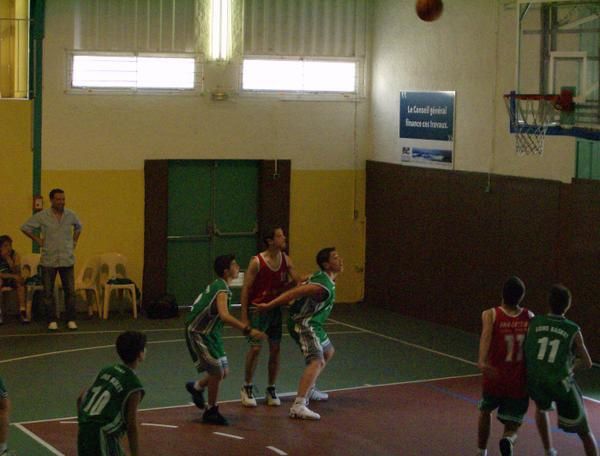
<point>302,412</point>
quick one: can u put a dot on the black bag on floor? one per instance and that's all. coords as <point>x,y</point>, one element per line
<point>163,307</point>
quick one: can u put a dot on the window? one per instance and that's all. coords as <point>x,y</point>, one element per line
<point>299,76</point>
<point>308,49</point>
<point>133,72</point>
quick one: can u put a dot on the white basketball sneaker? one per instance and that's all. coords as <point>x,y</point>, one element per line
<point>302,412</point>
<point>247,394</point>
<point>316,395</point>
<point>272,398</point>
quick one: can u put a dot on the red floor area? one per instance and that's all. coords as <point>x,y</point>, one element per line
<point>431,418</point>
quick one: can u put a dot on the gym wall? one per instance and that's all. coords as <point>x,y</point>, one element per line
<point>440,244</point>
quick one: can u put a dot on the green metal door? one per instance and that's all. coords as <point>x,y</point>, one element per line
<point>212,211</point>
<point>588,159</point>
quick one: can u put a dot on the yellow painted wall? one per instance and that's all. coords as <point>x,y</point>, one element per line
<point>15,171</point>
<point>322,215</point>
<point>110,205</point>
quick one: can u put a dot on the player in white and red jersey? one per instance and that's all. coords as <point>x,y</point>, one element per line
<point>269,274</point>
<point>502,364</point>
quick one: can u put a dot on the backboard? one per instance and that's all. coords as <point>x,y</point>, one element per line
<point>558,47</point>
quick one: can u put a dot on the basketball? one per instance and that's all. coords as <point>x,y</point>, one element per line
<point>429,10</point>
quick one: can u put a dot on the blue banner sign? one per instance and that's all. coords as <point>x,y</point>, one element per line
<point>427,115</point>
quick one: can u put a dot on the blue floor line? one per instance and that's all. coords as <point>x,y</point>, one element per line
<point>470,400</point>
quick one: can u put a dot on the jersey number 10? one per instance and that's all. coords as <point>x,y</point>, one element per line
<point>511,356</point>
<point>97,403</point>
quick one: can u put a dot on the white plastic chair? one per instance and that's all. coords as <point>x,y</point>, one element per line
<point>114,266</point>
<point>29,268</point>
<point>87,280</point>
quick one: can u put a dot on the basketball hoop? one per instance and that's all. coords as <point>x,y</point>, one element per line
<point>530,117</point>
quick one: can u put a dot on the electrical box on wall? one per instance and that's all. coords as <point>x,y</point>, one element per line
<point>38,203</point>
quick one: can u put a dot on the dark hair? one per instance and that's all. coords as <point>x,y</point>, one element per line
<point>54,191</point>
<point>559,299</point>
<point>223,262</point>
<point>269,233</point>
<point>4,238</point>
<point>130,344</point>
<point>513,291</point>
<point>323,256</point>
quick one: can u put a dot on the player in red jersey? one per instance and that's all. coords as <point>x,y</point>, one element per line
<point>502,364</point>
<point>268,276</point>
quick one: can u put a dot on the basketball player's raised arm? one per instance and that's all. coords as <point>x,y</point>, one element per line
<point>583,360</point>
<point>486,339</point>
<point>307,289</point>
<point>249,278</point>
<point>132,428</point>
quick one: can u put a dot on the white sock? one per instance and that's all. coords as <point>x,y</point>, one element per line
<point>197,386</point>
<point>481,452</point>
<point>551,452</point>
<point>300,400</point>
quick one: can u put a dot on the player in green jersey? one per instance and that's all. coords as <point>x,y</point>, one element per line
<point>313,303</point>
<point>108,408</point>
<point>4,412</point>
<point>203,327</point>
<point>554,347</point>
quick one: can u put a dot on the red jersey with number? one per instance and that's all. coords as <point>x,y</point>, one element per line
<point>506,355</point>
<point>269,283</point>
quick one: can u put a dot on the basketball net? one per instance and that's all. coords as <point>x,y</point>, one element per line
<point>530,117</point>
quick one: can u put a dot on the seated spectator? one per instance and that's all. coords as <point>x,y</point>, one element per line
<point>10,274</point>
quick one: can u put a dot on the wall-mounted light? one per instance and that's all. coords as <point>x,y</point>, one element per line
<point>220,29</point>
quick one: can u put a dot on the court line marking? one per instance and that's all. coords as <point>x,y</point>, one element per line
<point>100,347</point>
<point>410,344</point>
<point>462,397</point>
<point>231,436</point>
<point>106,331</point>
<point>68,422</point>
<point>277,450</point>
<point>41,355</point>
<point>404,342</point>
<point>170,426</point>
<point>84,333</point>
<point>38,440</point>
<point>286,394</point>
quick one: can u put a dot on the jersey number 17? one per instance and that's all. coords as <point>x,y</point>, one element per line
<point>514,352</point>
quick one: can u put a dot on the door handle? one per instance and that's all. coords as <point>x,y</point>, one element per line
<point>220,233</point>
<point>200,237</point>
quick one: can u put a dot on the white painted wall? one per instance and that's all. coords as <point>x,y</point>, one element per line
<point>471,49</point>
<point>119,132</point>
